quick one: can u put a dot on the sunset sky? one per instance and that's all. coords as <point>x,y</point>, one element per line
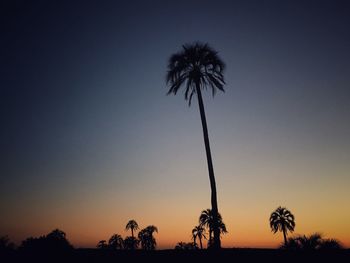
<point>89,138</point>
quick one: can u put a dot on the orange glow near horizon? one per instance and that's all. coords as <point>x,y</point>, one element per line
<point>247,226</point>
<point>89,216</point>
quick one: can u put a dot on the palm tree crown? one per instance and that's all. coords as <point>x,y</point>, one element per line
<point>282,220</point>
<point>196,64</point>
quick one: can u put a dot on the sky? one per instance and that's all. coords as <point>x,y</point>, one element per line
<point>89,139</point>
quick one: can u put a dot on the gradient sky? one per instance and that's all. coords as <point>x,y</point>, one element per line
<point>89,139</point>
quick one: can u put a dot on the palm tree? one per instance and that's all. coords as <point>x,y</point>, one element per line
<point>180,246</point>
<point>282,220</point>
<point>102,244</point>
<point>206,219</point>
<point>148,242</point>
<point>311,242</point>
<point>132,225</point>
<point>292,244</point>
<point>198,231</point>
<point>197,67</point>
<point>116,242</point>
<point>330,244</point>
<point>131,243</point>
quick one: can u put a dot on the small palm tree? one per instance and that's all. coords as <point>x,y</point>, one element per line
<point>197,67</point>
<point>292,244</point>
<point>330,244</point>
<point>147,240</point>
<point>116,242</point>
<point>132,225</point>
<point>186,246</point>
<point>180,246</point>
<point>282,220</point>
<point>311,242</point>
<point>102,244</point>
<point>198,231</point>
<point>206,219</point>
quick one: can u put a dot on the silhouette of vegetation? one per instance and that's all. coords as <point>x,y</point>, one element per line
<point>197,67</point>
<point>54,241</point>
<point>102,244</point>
<point>147,240</point>
<point>311,242</point>
<point>206,219</point>
<point>282,220</point>
<point>6,245</point>
<point>116,242</point>
<point>186,246</point>
<point>131,243</point>
<point>132,225</point>
<point>331,244</point>
<point>198,232</point>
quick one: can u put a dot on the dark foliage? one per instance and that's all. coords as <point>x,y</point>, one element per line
<point>311,242</point>
<point>55,241</point>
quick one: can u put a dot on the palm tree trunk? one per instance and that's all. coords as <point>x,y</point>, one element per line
<point>200,242</point>
<point>285,237</point>
<point>132,233</point>
<point>214,202</point>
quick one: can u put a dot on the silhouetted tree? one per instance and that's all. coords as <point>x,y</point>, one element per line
<point>292,244</point>
<point>197,67</point>
<point>282,220</point>
<point>198,231</point>
<point>148,242</point>
<point>330,244</point>
<point>132,225</point>
<point>312,242</point>
<point>131,243</point>
<point>102,244</point>
<point>186,246</point>
<point>54,241</point>
<point>180,246</point>
<point>206,219</point>
<point>6,245</point>
<point>116,242</point>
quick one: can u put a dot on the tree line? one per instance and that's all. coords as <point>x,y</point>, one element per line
<point>281,220</point>
<point>145,238</point>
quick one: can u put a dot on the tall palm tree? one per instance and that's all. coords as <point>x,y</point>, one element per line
<point>132,225</point>
<point>197,67</point>
<point>198,231</point>
<point>282,220</point>
<point>206,219</point>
